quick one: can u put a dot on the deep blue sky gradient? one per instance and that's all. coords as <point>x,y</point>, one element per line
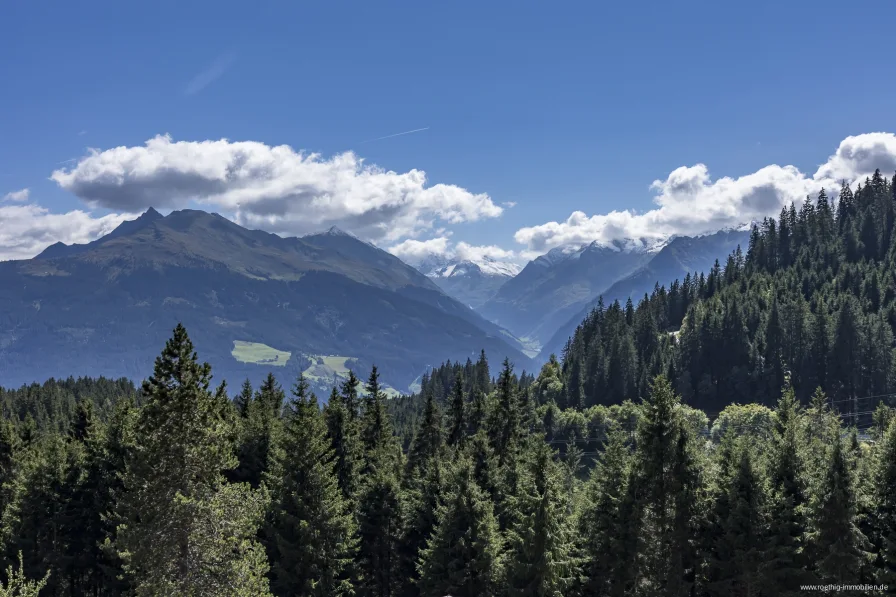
<point>555,106</point>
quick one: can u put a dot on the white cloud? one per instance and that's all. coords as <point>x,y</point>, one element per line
<point>26,230</point>
<point>440,249</point>
<point>17,196</point>
<point>509,204</point>
<point>690,202</point>
<point>273,188</point>
<point>478,252</point>
<point>858,156</point>
<point>283,191</point>
<point>414,251</point>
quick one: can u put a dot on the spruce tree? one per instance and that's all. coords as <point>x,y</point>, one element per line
<point>376,428</point>
<point>36,521</point>
<point>422,499</point>
<point>463,557</point>
<point>505,418</point>
<point>738,549</point>
<point>457,431</point>
<point>541,557</point>
<point>785,561</point>
<point>885,506</point>
<point>667,502</point>
<point>349,393</point>
<point>314,530</point>
<point>184,530</point>
<point>379,517</point>
<point>342,430</point>
<point>244,399</point>
<point>839,547</point>
<point>601,524</point>
<point>258,433</point>
<point>428,439</point>
<point>10,460</point>
<point>379,503</point>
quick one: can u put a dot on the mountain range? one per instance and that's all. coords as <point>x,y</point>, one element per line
<point>251,301</point>
<point>471,281</point>
<point>677,258</point>
<point>553,287</point>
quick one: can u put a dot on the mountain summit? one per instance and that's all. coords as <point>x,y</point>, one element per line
<point>471,281</point>
<point>551,288</point>
<point>251,300</point>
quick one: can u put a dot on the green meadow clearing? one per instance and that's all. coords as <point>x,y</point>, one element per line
<point>259,354</point>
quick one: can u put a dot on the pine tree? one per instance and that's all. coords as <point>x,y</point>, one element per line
<point>35,521</point>
<point>505,422</point>
<point>458,430</point>
<point>428,440</point>
<point>314,530</point>
<point>422,499</point>
<point>258,433</point>
<point>244,399</point>
<point>271,397</point>
<point>541,556</point>
<point>349,392</point>
<point>738,549</point>
<point>838,544</point>
<point>185,531</point>
<point>376,429</point>
<point>665,500</point>
<point>602,523</point>
<point>106,475</point>
<point>10,460</point>
<point>463,557</point>
<point>785,560</point>
<point>379,516</point>
<point>483,379</point>
<point>885,505</point>
<point>774,350</point>
<point>687,489</point>
<point>379,504</point>
<point>342,431</point>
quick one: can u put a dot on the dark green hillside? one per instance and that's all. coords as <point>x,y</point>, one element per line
<point>268,494</point>
<point>681,256</point>
<point>813,297</point>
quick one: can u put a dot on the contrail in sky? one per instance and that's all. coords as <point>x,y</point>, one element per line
<point>426,128</point>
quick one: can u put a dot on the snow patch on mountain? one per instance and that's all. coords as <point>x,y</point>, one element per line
<point>451,268</point>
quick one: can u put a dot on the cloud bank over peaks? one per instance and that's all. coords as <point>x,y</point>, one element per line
<point>26,230</point>
<point>690,202</point>
<point>274,188</point>
<point>441,250</point>
<point>280,190</point>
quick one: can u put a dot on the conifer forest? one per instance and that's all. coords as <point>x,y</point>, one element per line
<point>730,434</point>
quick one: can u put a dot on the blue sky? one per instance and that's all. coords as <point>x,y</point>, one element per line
<point>556,108</point>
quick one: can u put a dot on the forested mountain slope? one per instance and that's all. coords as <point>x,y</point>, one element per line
<point>814,296</point>
<point>679,257</point>
<point>186,492</point>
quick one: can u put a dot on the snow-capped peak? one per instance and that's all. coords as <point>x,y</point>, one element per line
<point>455,268</point>
<point>625,245</point>
<point>336,231</point>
